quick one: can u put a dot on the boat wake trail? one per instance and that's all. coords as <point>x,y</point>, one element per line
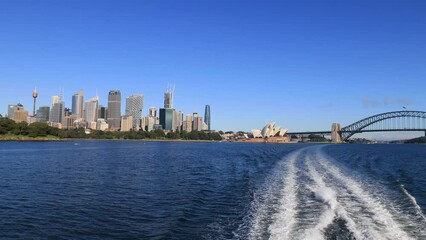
<point>312,196</point>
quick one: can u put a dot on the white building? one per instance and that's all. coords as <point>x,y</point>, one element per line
<point>101,124</point>
<point>91,112</point>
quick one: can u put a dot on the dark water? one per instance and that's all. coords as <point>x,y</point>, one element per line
<point>165,190</point>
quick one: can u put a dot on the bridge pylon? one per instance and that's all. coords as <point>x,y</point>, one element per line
<point>336,136</point>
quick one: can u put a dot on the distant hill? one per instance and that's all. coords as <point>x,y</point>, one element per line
<point>416,140</point>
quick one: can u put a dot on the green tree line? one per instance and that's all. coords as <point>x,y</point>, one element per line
<point>41,129</point>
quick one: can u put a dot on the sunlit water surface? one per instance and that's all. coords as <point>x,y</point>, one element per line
<point>178,190</point>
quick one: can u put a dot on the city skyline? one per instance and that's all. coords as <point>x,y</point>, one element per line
<point>303,65</point>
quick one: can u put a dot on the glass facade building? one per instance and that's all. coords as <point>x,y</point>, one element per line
<point>207,116</point>
<point>77,104</point>
<point>166,118</point>
<point>134,106</point>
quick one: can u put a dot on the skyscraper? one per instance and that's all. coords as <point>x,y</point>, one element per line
<point>187,124</point>
<point>102,112</point>
<point>55,99</point>
<point>91,110</point>
<point>152,112</point>
<point>168,97</point>
<point>134,105</point>
<point>166,118</point>
<point>207,116</point>
<point>167,113</point>
<point>43,114</point>
<point>57,113</point>
<point>114,109</point>
<point>12,108</point>
<point>77,104</point>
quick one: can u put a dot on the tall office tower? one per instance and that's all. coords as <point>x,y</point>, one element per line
<point>207,116</point>
<point>150,121</point>
<point>19,114</point>
<point>101,112</point>
<point>195,121</point>
<point>177,121</point>
<point>168,100</point>
<point>77,104</point>
<point>57,114</point>
<point>134,105</point>
<point>91,110</point>
<point>152,112</point>
<point>35,95</point>
<point>166,118</point>
<point>168,96</point>
<point>55,99</point>
<point>187,124</point>
<point>126,123</point>
<point>114,109</point>
<point>43,114</point>
<point>67,112</point>
<point>12,108</point>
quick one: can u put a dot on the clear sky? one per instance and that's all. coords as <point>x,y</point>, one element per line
<point>302,64</point>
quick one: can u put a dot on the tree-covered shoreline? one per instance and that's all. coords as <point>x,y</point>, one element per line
<point>10,130</point>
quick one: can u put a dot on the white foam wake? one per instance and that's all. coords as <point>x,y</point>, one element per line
<point>332,207</point>
<point>414,202</point>
<point>383,221</point>
<point>284,219</point>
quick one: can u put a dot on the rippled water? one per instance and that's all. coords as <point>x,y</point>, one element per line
<point>177,190</point>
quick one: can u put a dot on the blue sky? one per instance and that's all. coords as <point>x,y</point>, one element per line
<point>302,64</point>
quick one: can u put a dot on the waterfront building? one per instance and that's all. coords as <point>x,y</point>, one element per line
<point>270,130</point>
<point>187,124</point>
<point>114,109</point>
<point>102,112</point>
<point>31,119</point>
<point>134,106</point>
<point>69,122</point>
<point>57,112</point>
<point>91,112</point>
<point>12,108</point>
<point>20,115</point>
<point>77,104</point>
<point>197,122</point>
<point>43,114</point>
<point>101,124</point>
<point>126,123</point>
<point>150,121</point>
<point>67,112</point>
<point>207,116</point>
<point>152,112</point>
<point>177,121</point>
<point>143,123</point>
<point>166,118</point>
<point>55,99</point>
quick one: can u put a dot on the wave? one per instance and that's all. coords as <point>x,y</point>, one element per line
<point>310,195</point>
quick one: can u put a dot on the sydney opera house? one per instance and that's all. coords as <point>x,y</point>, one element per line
<point>270,130</point>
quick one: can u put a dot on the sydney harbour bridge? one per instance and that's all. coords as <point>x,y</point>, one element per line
<point>397,121</point>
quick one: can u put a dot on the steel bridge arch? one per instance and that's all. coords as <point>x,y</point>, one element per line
<point>356,127</point>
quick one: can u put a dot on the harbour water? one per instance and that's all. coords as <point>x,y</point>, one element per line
<point>180,190</point>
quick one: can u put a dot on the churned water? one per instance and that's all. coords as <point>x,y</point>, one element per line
<point>178,190</point>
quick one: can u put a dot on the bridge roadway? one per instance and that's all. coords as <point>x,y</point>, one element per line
<point>397,121</point>
<point>358,131</point>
